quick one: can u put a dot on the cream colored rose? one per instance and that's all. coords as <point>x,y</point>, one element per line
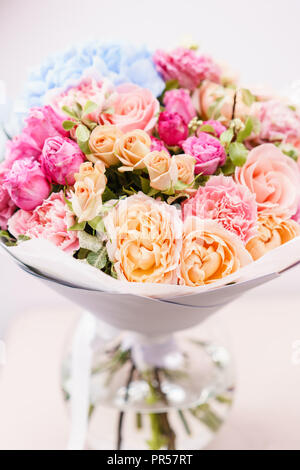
<point>186,167</point>
<point>209,252</point>
<point>144,240</point>
<point>272,233</point>
<point>131,149</point>
<point>102,142</point>
<point>162,169</point>
<point>89,187</point>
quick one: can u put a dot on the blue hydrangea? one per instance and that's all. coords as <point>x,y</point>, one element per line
<point>121,63</point>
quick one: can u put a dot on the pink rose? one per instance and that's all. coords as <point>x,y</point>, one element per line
<point>133,108</point>
<point>41,123</point>
<point>278,121</point>
<point>157,145</point>
<point>61,159</point>
<point>296,217</point>
<point>187,67</point>
<point>216,125</point>
<point>49,221</point>
<point>179,101</point>
<point>171,128</point>
<point>274,178</point>
<point>208,152</point>
<point>7,207</point>
<point>26,184</point>
<point>229,203</point>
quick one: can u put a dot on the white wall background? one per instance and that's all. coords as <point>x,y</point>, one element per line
<point>259,38</point>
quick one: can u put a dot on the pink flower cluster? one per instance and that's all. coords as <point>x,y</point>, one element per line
<point>49,221</point>
<point>186,66</point>
<point>208,152</point>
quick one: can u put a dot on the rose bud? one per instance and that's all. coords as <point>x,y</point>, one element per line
<point>61,159</point>
<point>26,184</point>
<point>172,128</point>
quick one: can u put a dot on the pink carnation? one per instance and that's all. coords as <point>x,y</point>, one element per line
<point>49,221</point>
<point>171,128</point>
<point>157,145</point>
<point>231,204</point>
<point>26,184</point>
<point>208,152</point>
<point>7,207</point>
<point>41,123</point>
<point>278,121</point>
<point>179,101</point>
<point>187,67</point>
<point>216,125</point>
<point>61,159</point>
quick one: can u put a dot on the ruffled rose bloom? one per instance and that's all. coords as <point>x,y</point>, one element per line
<point>162,169</point>
<point>131,148</point>
<point>7,206</point>
<point>277,121</point>
<point>217,102</point>
<point>87,89</point>
<point>102,142</point>
<point>133,108</point>
<point>158,145</point>
<point>209,252</point>
<point>186,168</point>
<point>41,123</point>
<point>274,178</point>
<point>229,203</point>
<point>216,125</point>
<point>49,221</point>
<point>61,159</point>
<point>186,66</point>
<point>172,128</point>
<point>27,184</point>
<point>272,233</point>
<point>144,240</point>
<point>89,187</point>
<point>179,101</point>
<point>208,152</point>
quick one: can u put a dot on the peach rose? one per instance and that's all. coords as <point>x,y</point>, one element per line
<point>222,110</point>
<point>133,108</point>
<point>144,240</point>
<point>162,169</point>
<point>89,187</point>
<point>131,148</point>
<point>272,232</point>
<point>102,142</point>
<point>209,252</point>
<point>274,178</point>
<point>186,167</point>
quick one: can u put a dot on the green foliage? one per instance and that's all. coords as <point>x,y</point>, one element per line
<point>98,259</point>
<point>89,107</point>
<point>238,153</point>
<point>68,125</point>
<point>78,226</point>
<point>247,97</point>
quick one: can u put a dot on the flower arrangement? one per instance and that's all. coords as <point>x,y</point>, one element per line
<point>154,169</point>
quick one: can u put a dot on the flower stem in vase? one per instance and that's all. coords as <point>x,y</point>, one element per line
<point>121,415</point>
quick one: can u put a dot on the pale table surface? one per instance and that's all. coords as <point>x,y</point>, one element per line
<point>266,412</point>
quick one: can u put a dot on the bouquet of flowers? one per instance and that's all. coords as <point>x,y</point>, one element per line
<point>185,188</point>
<point>137,169</point>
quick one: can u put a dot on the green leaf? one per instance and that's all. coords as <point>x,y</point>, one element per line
<point>23,238</point>
<point>89,242</point>
<point>207,128</point>
<point>247,131</point>
<point>5,234</point>
<point>153,192</point>
<point>180,186</point>
<point>94,222</point>
<point>69,203</point>
<point>145,184</point>
<point>228,168</point>
<point>171,85</point>
<point>247,97</point>
<point>89,107</point>
<point>69,112</point>
<point>99,259</point>
<point>78,226</point>
<point>84,147</point>
<point>82,253</point>
<point>108,195</point>
<point>226,137</point>
<point>238,153</point>
<point>82,133</point>
<point>68,125</point>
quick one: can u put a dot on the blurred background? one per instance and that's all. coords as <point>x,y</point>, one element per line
<point>259,41</point>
